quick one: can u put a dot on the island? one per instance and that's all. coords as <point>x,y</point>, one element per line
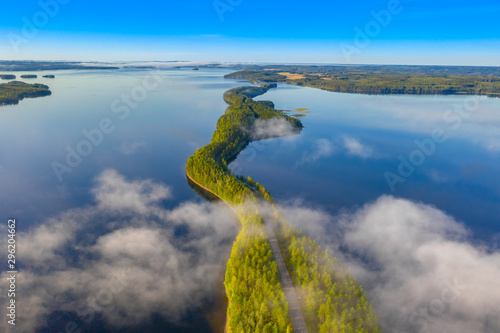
<point>14,91</point>
<point>50,76</point>
<point>7,77</point>
<point>371,79</point>
<point>29,76</point>
<point>277,279</point>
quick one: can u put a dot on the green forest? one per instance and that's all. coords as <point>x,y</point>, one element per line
<point>13,92</point>
<point>413,80</point>
<point>332,300</point>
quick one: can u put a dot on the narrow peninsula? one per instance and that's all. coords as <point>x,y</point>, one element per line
<point>259,298</point>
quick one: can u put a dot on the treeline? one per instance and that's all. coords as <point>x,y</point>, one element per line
<point>383,69</point>
<point>332,300</point>
<point>13,92</point>
<point>379,80</point>
<point>256,300</point>
<point>7,77</point>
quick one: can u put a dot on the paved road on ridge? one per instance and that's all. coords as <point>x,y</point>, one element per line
<point>298,323</point>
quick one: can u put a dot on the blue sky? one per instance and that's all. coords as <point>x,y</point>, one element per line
<point>417,32</point>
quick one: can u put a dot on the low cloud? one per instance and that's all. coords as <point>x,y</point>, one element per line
<point>356,148</point>
<point>124,263</point>
<point>122,260</point>
<point>321,148</point>
<point>113,192</point>
<point>272,128</point>
<point>420,269</point>
<point>127,148</point>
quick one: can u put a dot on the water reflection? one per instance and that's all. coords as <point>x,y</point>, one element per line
<point>350,141</point>
<point>337,162</point>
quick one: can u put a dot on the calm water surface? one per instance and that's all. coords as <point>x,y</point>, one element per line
<point>350,142</point>
<point>338,161</point>
<point>165,129</point>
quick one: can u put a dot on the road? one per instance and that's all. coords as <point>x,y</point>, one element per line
<point>298,323</point>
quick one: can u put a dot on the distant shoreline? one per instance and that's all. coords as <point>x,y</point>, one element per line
<point>378,80</point>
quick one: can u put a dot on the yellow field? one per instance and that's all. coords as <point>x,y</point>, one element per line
<point>291,76</point>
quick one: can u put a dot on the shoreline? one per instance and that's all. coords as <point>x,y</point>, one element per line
<point>217,182</point>
<point>212,193</point>
<point>226,325</point>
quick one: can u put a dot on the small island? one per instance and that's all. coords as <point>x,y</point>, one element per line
<point>29,76</point>
<point>50,76</point>
<point>13,92</point>
<point>7,77</point>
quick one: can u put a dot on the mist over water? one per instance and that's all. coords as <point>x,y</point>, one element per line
<point>125,227</point>
<point>350,141</point>
<point>154,141</point>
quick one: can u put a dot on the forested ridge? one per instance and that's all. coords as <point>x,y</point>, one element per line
<point>413,80</point>
<point>13,92</point>
<point>333,301</point>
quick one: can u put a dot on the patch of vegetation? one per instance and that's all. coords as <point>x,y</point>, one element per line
<point>29,76</point>
<point>13,92</point>
<point>7,77</point>
<point>415,80</point>
<point>332,299</point>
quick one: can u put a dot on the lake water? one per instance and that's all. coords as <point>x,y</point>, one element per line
<point>349,143</point>
<point>153,141</point>
<point>339,161</point>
